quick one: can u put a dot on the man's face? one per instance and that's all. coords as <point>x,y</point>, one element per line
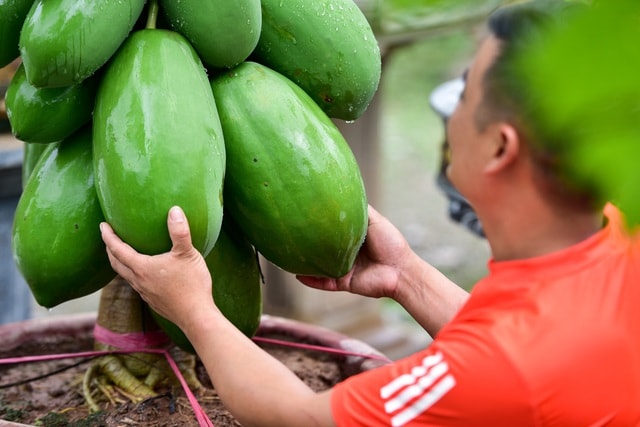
<point>467,151</point>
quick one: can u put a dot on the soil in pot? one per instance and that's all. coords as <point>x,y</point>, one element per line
<point>50,393</point>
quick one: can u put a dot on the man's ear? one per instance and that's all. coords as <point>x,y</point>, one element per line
<point>506,148</point>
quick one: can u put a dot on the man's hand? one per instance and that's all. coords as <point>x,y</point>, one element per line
<point>377,269</point>
<point>176,284</point>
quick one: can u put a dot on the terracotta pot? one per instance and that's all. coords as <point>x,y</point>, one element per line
<point>357,357</point>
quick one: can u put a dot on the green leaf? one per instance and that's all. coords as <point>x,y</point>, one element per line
<point>587,77</point>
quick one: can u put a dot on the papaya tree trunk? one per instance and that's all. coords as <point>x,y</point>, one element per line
<point>123,315</point>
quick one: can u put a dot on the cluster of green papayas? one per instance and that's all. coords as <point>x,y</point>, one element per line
<point>129,107</point>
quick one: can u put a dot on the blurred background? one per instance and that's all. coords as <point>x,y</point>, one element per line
<point>398,145</point>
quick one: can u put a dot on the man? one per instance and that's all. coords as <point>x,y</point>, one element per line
<point>549,338</point>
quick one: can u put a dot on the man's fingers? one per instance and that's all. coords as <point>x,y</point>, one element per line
<point>124,271</point>
<point>179,231</point>
<point>374,215</point>
<point>311,281</point>
<point>322,283</point>
<point>116,248</point>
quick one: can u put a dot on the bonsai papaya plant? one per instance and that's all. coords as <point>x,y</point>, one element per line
<point>158,135</point>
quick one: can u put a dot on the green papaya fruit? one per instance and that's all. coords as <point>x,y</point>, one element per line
<point>292,183</point>
<point>237,281</point>
<point>158,142</point>
<point>56,239</point>
<point>30,156</point>
<point>223,32</point>
<point>12,16</point>
<point>45,115</point>
<point>65,41</point>
<point>327,47</point>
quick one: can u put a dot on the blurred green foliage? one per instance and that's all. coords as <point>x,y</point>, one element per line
<point>400,14</point>
<point>393,17</point>
<point>589,75</point>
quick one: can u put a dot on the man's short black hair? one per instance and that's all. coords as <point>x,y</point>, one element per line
<point>508,97</point>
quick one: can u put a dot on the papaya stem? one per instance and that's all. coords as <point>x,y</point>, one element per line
<point>152,17</point>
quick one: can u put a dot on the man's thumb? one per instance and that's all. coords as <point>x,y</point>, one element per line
<point>179,230</point>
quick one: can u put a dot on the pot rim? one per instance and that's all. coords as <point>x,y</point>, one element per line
<point>361,357</point>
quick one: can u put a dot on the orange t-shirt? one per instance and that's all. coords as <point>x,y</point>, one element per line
<point>546,341</point>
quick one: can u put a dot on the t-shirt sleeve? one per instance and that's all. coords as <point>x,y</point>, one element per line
<point>457,381</point>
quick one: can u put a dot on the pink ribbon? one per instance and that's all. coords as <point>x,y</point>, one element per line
<point>130,340</point>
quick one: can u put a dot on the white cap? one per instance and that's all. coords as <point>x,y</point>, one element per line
<point>445,97</point>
